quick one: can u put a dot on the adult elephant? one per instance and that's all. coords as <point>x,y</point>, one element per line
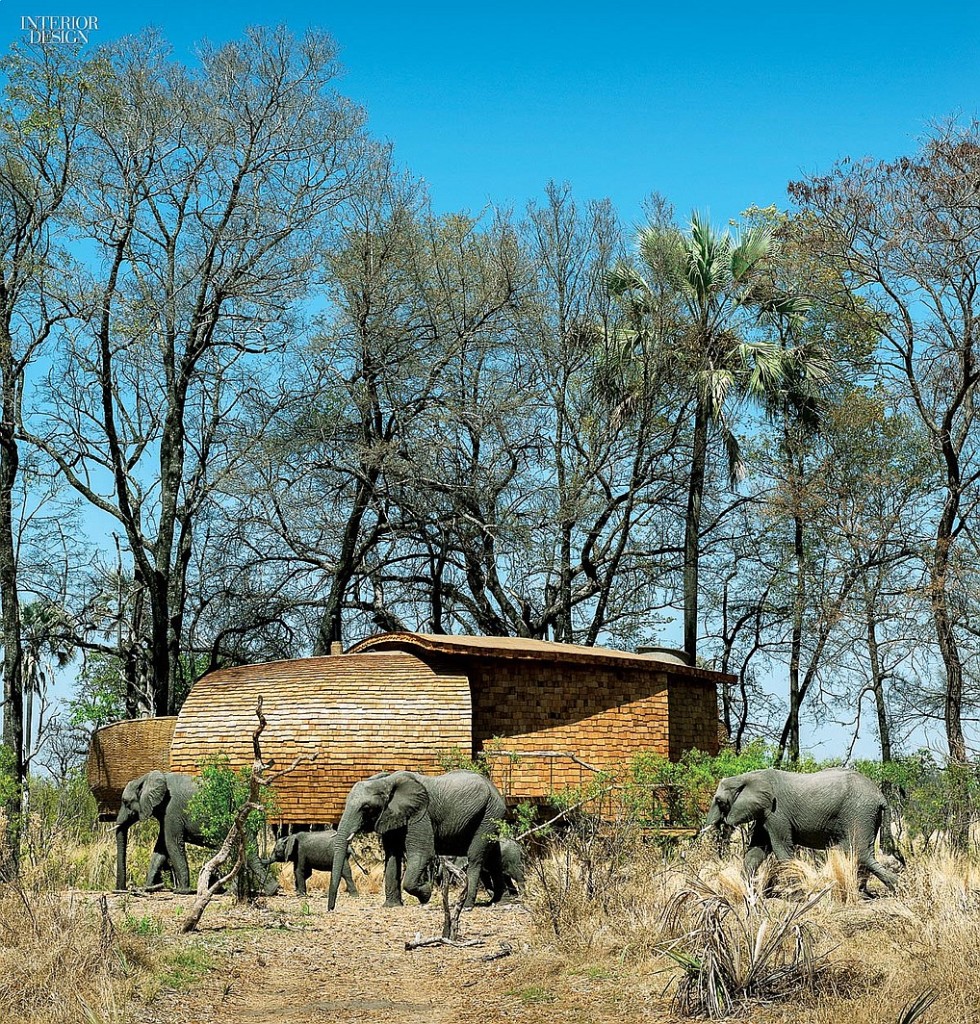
<point>833,807</point>
<point>419,817</point>
<point>166,796</point>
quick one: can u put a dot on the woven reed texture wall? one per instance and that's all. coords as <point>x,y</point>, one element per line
<point>359,714</point>
<point>124,751</point>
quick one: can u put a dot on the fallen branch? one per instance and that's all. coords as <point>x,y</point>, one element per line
<point>419,942</point>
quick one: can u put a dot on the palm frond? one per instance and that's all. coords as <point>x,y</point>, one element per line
<point>662,252</point>
<point>917,1007</point>
<point>733,454</point>
<point>714,386</point>
<point>623,278</point>
<point>754,247</point>
<point>768,367</point>
<point>707,259</point>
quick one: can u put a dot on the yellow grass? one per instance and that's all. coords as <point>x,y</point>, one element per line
<point>63,960</point>
<point>883,952</point>
<point>597,917</point>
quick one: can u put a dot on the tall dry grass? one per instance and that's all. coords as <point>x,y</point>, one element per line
<point>64,960</point>
<point>879,958</point>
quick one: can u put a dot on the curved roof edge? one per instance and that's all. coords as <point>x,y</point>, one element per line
<point>523,648</point>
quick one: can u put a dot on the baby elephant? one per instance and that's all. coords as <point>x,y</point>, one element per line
<point>308,851</point>
<point>503,872</point>
<point>503,869</point>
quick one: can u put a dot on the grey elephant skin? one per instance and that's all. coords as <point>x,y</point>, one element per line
<point>833,807</point>
<point>419,817</point>
<point>309,851</point>
<point>503,869</point>
<point>166,796</point>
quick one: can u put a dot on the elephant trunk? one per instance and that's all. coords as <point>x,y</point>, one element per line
<point>341,844</point>
<point>122,834</point>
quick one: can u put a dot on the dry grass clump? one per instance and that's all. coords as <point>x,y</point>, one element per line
<point>63,961</point>
<point>734,953</point>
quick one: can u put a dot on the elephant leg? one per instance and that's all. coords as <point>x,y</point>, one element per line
<point>301,874</point>
<point>393,874</point>
<point>178,861</point>
<point>475,857</point>
<point>263,875</point>
<point>869,863</point>
<point>159,861</point>
<point>492,876</point>
<point>349,879</point>
<point>759,848</point>
<point>417,880</point>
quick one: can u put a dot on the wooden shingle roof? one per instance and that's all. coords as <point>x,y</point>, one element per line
<point>359,714</point>
<point>524,648</point>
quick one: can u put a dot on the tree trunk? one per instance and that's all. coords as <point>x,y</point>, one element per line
<point>878,683</point>
<point>948,649</point>
<point>692,530</point>
<point>796,643</point>
<point>13,659</point>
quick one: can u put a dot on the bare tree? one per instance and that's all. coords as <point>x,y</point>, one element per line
<point>905,234</point>
<point>203,196</point>
<point>38,143</point>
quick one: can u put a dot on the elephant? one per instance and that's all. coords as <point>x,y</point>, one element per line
<point>833,807</point>
<point>418,818</point>
<point>166,796</point>
<point>503,869</point>
<point>306,851</point>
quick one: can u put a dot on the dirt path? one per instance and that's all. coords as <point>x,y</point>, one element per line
<point>290,962</point>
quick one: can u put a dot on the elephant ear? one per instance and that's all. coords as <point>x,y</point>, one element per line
<point>753,799</point>
<point>290,846</point>
<point>152,792</point>
<point>407,802</point>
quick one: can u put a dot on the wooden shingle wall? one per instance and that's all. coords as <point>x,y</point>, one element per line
<point>124,751</point>
<point>693,716</point>
<point>360,714</point>
<point>603,715</point>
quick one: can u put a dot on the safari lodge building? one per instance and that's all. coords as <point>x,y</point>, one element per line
<point>545,716</point>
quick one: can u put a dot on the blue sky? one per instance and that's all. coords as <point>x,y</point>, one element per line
<point>487,103</point>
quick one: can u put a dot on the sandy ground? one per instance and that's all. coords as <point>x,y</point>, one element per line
<point>287,960</point>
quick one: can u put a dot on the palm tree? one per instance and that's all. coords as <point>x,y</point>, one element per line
<point>698,304</point>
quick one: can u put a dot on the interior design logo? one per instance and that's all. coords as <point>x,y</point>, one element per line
<point>64,28</point>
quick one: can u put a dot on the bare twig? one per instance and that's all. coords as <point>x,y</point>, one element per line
<point>516,755</point>
<point>450,917</point>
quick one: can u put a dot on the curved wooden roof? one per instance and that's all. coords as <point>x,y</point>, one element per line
<point>524,648</point>
<point>359,714</point>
